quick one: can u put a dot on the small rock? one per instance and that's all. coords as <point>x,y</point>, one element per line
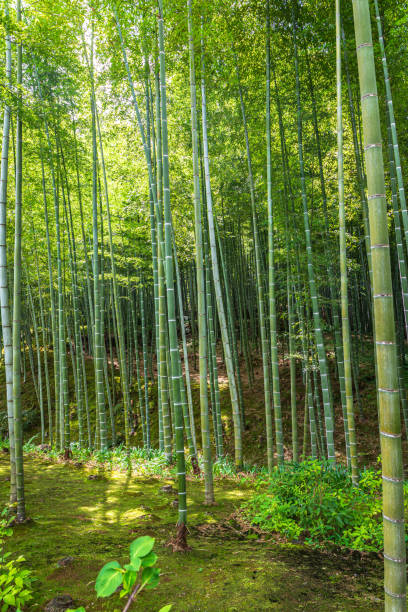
<point>65,561</point>
<point>60,602</point>
<point>93,477</point>
<point>168,489</point>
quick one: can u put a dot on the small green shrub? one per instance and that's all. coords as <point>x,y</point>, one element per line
<point>15,581</point>
<point>224,467</point>
<point>142,562</point>
<point>316,501</point>
<point>133,577</point>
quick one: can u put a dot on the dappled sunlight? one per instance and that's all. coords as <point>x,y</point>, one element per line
<point>95,520</point>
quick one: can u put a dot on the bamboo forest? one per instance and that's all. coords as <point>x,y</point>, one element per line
<point>204,305</point>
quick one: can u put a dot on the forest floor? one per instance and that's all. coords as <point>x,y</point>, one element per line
<point>94,521</point>
<point>227,569</point>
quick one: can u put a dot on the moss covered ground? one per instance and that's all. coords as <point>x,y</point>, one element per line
<point>94,521</point>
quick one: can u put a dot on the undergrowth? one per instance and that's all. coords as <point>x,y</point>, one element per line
<point>15,580</point>
<point>142,461</point>
<point>312,502</point>
<point>316,502</point>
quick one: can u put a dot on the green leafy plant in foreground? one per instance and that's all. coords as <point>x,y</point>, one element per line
<point>15,581</point>
<point>318,503</point>
<point>133,577</point>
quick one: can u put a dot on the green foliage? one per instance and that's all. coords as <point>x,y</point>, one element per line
<point>223,467</point>
<point>139,571</point>
<point>109,579</point>
<point>145,462</point>
<point>317,502</point>
<point>133,577</point>
<point>15,581</point>
<point>141,547</point>
<point>142,461</point>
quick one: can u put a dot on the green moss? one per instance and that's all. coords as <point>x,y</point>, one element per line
<point>95,520</point>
